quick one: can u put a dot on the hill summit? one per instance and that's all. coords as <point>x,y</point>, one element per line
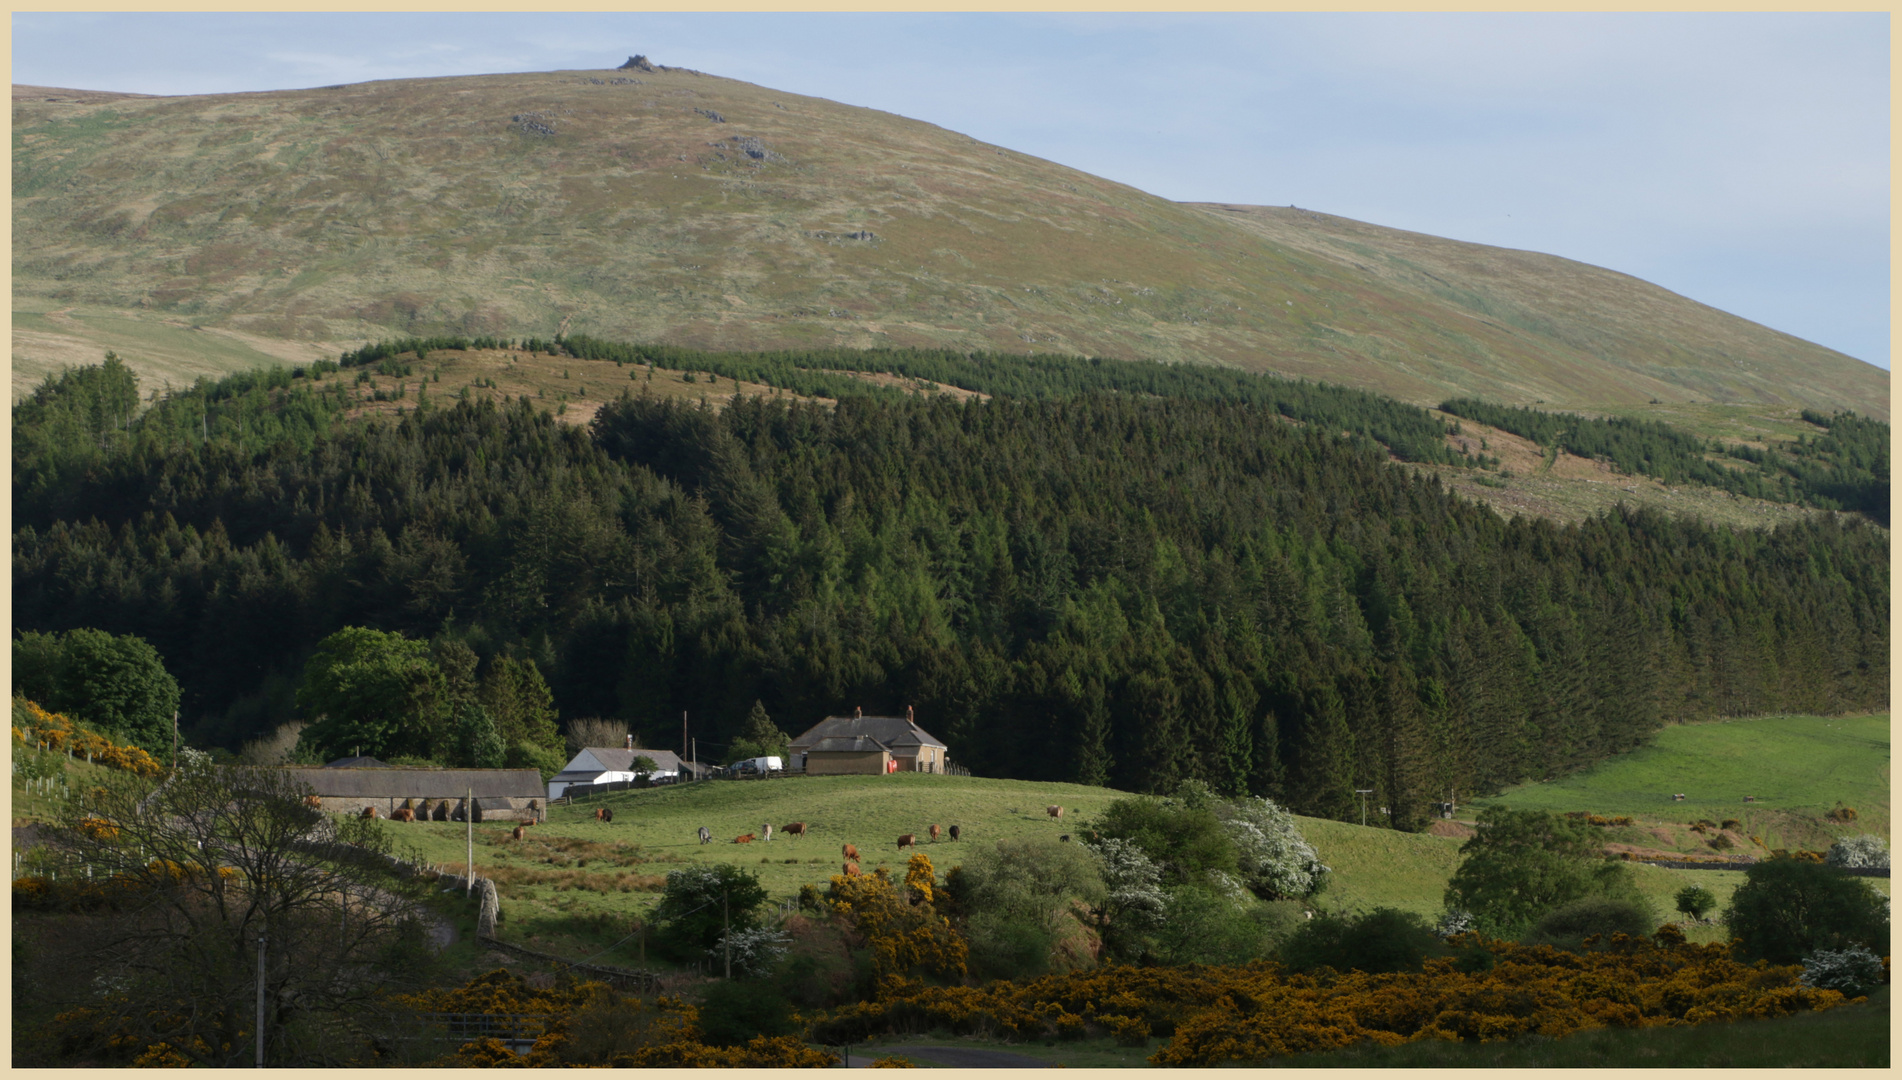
<point>657,204</point>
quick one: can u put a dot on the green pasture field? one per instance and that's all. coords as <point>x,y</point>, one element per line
<point>1380,867</point>
<point>1797,767</point>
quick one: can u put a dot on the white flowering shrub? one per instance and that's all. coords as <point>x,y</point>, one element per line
<point>1134,882</point>
<point>755,951</point>
<point>1854,971</point>
<point>1456,922</point>
<point>1853,852</point>
<point>1272,856</point>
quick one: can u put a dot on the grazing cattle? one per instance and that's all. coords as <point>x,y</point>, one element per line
<point>851,869</point>
<point>934,833</point>
<point>706,835</point>
<point>405,814</point>
<point>607,816</point>
<point>598,811</point>
<point>797,828</point>
<point>316,803</point>
<point>517,834</point>
<point>369,811</point>
<point>744,838</point>
<point>954,832</point>
<point>850,852</point>
<point>766,832</point>
<point>1065,838</point>
<point>1054,811</point>
<point>909,840</point>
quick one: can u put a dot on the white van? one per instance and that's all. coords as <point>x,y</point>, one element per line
<point>758,765</point>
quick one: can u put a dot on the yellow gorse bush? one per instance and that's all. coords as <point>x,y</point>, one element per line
<point>57,731</point>
<point>1253,1012</point>
<point>903,936</point>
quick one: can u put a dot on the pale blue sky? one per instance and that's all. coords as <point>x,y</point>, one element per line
<point>1742,160</point>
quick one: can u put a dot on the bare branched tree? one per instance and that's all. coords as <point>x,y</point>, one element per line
<point>277,748</point>
<point>188,874</point>
<point>594,731</point>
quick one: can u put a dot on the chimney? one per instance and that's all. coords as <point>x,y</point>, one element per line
<point>858,712</point>
<point>909,718</point>
<point>630,740</point>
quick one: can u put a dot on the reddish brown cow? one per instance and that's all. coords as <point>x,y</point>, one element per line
<point>598,811</point>
<point>517,834</point>
<point>744,839</point>
<point>1054,811</point>
<point>934,833</point>
<point>851,869</point>
<point>797,828</point>
<point>369,811</point>
<point>405,814</point>
<point>313,802</point>
<point>909,840</point>
<point>850,852</point>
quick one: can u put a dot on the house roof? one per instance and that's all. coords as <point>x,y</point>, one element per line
<point>365,762</point>
<point>619,759</point>
<point>895,733</point>
<point>390,783</point>
<point>837,744</point>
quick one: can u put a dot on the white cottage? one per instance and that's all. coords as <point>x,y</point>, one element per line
<point>610,764</point>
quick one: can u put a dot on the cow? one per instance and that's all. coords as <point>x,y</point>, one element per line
<point>849,852</point>
<point>517,834</point>
<point>405,814</point>
<point>851,869</point>
<point>1054,811</point>
<point>797,828</point>
<point>954,832</point>
<point>909,840</point>
<point>316,803</point>
<point>706,835</point>
<point>766,832</point>
<point>744,838</point>
<point>934,833</point>
<point>607,816</point>
<point>369,811</point>
<point>598,811</point>
<point>1065,838</point>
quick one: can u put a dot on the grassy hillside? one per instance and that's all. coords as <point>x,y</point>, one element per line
<point>694,210</point>
<point>1798,768</point>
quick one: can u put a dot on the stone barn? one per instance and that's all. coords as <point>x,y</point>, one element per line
<point>433,794</point>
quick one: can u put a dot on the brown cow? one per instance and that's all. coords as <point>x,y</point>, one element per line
<point>851,869</point>
<point>517,834</point>
<point>1054,811</point>
<point>404,814</point>
<point>598,811</point>
<point>369,811</point>
<point>909,840</point>
<point>850,852</point>
<point>313,802</point>
<point>743,839</point>
<point>934,833</point>
<point>797,828</point>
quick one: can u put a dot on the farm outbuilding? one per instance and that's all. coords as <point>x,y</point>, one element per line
<point>432,794</point>
<point>842,745</point>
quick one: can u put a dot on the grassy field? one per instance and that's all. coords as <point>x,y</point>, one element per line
<point>1797,768</point>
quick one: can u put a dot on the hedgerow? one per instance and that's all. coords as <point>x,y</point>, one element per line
<point>33,726</point>
<point>1488,990</point>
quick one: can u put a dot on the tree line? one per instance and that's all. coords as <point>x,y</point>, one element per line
<point>1110,587</point>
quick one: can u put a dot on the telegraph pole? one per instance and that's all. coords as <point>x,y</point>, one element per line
<point>174,740</point>
<point>468,815</point>
<point>260,999</point>
<point>726,939</point>
<point>1363,793</point>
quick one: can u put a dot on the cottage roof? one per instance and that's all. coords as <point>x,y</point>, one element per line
<point>365,762</point>
<point>896,733</point>
<point>846,744</point>
<point>392,783</point>
<point>620,759</point>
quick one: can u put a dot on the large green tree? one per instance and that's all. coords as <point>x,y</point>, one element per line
<point>113,681</point>
<point>1522,864</point>
<point>373,692</point>
<point>1789,908</point>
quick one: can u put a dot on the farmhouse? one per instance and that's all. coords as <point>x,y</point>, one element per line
<point>867,744</point>
<point>613,765</point>
<point>433,794</point>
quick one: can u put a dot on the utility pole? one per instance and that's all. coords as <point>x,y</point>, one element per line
<point>726,938</point>
<point>260,999</point>
<point>174,740</point>
<point>683,731</point>
<point>468,815</point>
<point>1363,793</point>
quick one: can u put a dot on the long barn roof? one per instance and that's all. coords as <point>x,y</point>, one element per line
<point>392,783</point>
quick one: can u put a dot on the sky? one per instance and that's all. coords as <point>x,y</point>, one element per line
<point>1741,160</point>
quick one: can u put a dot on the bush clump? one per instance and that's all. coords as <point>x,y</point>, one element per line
<point>1569,927</point>
<point>1856,852</point>
<point>1381,940</point>
<point>1787,909</point>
